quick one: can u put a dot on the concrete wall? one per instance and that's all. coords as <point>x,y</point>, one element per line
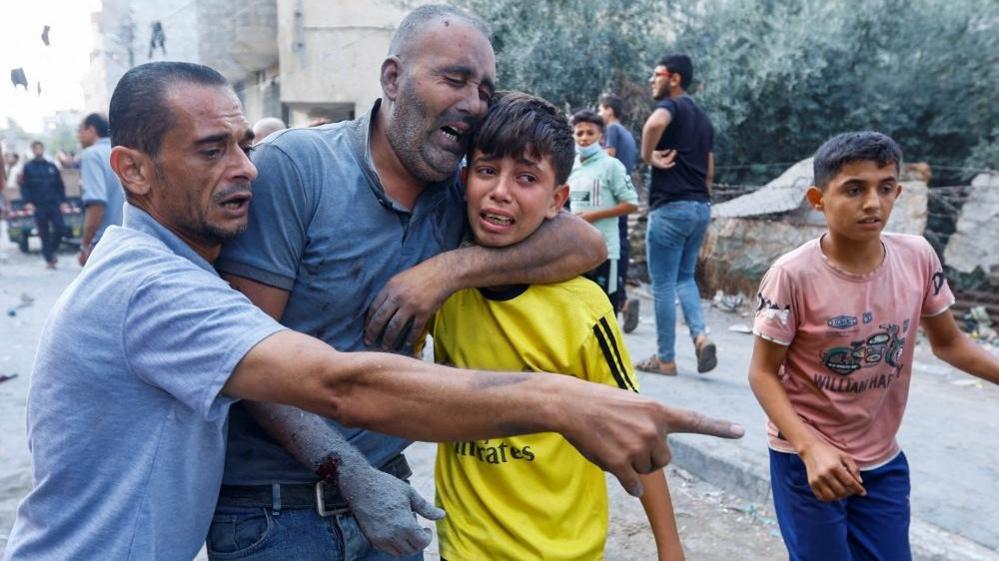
<point>331,52</point>
<point>260,93</point>
<point>123,30</point>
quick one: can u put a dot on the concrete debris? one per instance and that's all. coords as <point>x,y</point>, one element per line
<point>973,244</point>
<point>749,232</point>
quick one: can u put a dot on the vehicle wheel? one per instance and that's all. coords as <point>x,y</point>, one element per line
<point>22,243</point>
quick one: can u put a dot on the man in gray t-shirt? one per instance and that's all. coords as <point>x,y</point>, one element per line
<point>340,212</point>
<point>142,356</point>
<point>103,195</point>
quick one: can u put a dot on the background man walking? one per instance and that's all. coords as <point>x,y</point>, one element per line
<point>44,194</point>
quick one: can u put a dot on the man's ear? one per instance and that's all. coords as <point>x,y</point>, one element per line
<point>559,197</point>
<point>134,168</point>
<point>814,196</point>
<point>390,77</point>
<point>898,190</point>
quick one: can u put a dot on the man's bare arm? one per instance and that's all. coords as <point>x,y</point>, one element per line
<point>653,130</point>
<point>710,179</point>
<point>387,518</point>
<point>619,431</point>
<point>560,249</point>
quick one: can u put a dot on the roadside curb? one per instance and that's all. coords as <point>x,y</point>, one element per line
<point>748,478</point>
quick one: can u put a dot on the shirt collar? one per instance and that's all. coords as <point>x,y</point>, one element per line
<point>140,221</point>
<point>361,136</point>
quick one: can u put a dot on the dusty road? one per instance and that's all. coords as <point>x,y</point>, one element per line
<point>714,526</point>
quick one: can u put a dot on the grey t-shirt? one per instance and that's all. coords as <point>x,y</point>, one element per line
<point>126,424</point>
<point>624,146</point>
<point>322,228</point>
<point>100,184</point>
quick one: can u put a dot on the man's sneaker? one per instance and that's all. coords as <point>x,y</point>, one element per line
<point>631,315</point>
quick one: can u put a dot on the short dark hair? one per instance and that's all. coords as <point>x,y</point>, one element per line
<point>37,143</point>
<point>139,115</point>
<point>615,103</point>
<point>854,147</point>
<point>587,116</point>
<point>98,122</point>
<point>415,22</point>
<point>518,123</point>
<point>679,64</point>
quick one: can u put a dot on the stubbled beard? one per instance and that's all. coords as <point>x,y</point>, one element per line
<point>197,224</point>
<point>406,136</point>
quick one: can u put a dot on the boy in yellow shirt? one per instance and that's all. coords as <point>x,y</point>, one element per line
<point>530,497</point>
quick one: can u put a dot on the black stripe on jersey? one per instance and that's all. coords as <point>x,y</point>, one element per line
<point>617,353</point>
<point>619,377</point>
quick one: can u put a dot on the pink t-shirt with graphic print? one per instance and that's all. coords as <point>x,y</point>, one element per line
<point>850,341</point>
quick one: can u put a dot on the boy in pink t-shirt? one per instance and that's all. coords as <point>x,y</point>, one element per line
<point>835,329</point>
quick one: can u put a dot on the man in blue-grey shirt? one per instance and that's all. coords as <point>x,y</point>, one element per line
<point>341,212</point>
<point>147,349</point>
<point>103,195</point>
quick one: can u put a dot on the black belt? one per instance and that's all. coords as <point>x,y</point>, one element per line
<point>322,496</point>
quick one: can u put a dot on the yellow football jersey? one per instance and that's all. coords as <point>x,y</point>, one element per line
<point>534,496</point>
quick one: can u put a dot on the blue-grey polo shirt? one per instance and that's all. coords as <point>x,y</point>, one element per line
<point>126,424</point>
<point>100,184</point>
<point>322,228</point>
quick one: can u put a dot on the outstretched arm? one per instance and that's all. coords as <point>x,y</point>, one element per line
<point>957,349</point>
<point>387,517</point>
<point>561,248</point>
<point>617,430</point>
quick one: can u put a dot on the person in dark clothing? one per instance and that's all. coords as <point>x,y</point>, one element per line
<point>677,141</point>
<point>620,143</point>
<point>44,194</point>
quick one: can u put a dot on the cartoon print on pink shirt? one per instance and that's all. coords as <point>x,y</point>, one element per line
<point>884,346</point>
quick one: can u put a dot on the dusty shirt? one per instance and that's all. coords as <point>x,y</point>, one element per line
<point>850,340</point>
<point>322,228</point>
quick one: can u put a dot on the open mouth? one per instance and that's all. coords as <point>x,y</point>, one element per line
<point>236,201</point>
<point>497,219</point>
<point>871,221</point>
<point>452,136</point>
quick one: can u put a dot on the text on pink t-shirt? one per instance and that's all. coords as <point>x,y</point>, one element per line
<point>850,340</point>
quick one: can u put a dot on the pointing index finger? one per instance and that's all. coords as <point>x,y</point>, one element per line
<point>687,421</point>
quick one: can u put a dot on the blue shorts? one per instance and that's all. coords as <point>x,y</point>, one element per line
<point>870,528</point>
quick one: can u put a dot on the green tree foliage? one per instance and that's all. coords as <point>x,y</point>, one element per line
<point>777,77</point>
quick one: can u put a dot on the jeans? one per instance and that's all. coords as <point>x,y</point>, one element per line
<point>299,534</point>
<point>874,527</point>
<point>51,229</point>
<point>673,240</point>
